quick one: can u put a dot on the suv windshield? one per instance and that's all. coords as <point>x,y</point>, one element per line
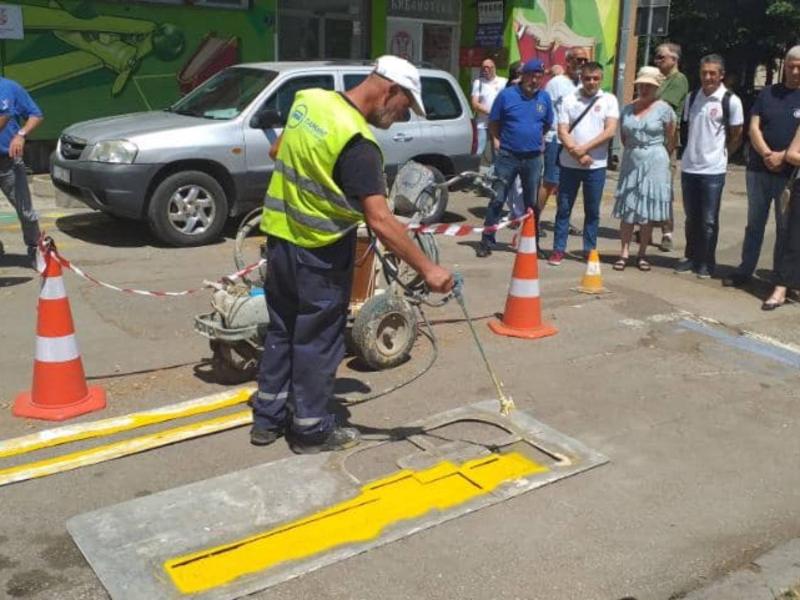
<point>225,95</point>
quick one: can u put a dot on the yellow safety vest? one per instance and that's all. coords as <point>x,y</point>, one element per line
<point>303,203</point>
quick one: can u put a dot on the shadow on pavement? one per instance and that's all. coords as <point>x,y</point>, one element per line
<point>104,230</point>
<point>12,281</point>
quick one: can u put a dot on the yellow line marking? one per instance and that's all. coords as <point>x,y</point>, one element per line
<point>404,495</point>
<point>83,458</point>
<point>105,427</point>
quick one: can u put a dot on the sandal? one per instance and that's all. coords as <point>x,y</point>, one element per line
<point>643,265</point>
<point>620,264</point>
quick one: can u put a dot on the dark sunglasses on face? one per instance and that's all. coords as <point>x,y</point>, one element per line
<point>580,61</point>
<point>661,56</point>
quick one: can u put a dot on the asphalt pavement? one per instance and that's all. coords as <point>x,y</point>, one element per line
<point>686,386</point>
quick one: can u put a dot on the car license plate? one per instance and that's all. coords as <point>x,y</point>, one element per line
<point>61,174</point>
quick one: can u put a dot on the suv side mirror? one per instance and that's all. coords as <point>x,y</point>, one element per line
<point>267,119</point>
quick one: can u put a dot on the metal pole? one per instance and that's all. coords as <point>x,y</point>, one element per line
<point>649,34</point>
<point>622,57</point>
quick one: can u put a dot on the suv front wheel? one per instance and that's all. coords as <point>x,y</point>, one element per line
<point>188,208</point>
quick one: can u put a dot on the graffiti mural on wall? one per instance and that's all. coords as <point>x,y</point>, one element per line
<point>547,29</point>
<point>87,59</point>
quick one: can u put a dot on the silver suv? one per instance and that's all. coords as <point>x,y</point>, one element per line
<point>188,168</point>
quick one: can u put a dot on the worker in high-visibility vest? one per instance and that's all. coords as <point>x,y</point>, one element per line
<point>328,178</point>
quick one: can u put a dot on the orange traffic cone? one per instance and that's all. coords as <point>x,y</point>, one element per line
<point>523,315</point>
<point>59,388</point>
<point>592,282</point>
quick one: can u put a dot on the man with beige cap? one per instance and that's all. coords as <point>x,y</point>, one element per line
<point>328,179</point>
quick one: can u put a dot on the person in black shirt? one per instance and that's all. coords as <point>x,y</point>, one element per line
<point>774,119</point>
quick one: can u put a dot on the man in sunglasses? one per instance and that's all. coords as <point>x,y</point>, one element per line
<point>484,90</point>
<point>673,91</point>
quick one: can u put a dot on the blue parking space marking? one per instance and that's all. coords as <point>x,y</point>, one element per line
<point>740,342</point>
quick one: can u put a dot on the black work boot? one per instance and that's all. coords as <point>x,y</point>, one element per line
<point>261,436</point>
<point>340,438</point>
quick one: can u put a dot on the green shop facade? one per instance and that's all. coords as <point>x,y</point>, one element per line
<point>84,59</point>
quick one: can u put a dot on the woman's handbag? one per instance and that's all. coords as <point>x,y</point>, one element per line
<point>786,195</point>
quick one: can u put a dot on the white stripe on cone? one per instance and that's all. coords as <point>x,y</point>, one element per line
<point>56,349</point>
<point>53,289</point>
<point>527,245</point>
<point>593,268</point>
<point>524,288</point>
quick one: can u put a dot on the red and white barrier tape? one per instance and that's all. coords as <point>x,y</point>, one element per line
<point>462,230</point>
<point>47,248</point>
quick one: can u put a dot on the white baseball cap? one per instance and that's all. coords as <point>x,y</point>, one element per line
<point>404,74</point>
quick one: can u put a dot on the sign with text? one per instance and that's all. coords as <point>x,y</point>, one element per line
<point>490,12</point>
<point>430,10</point>
<point>11,22</point>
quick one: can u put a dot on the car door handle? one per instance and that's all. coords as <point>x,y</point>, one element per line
<point>402,137</point>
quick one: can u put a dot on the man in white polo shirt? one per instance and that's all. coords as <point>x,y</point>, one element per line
<point>714,117</point>
<point>484,91</point>
<point>587,120</point>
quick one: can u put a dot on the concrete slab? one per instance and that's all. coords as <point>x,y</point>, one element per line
<point>128,544</point>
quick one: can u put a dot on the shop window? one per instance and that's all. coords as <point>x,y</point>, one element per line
<point>282,100</point>
<point>440,100</point>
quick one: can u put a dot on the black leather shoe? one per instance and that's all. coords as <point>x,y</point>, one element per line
<point>684,266</point>
<point>735,280</point>
<point>263,437</point>
<point>340,438</point>
<point>483,251</point>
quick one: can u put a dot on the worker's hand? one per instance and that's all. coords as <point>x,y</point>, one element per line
<point>439,279</point>
<point>16,146</point>
<point>585,161</point>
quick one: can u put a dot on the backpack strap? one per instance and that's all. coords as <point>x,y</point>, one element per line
<point>726,112</point>
<point>692,98</point>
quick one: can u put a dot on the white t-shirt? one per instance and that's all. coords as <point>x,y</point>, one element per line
<point>558,87</point>
<point>705,152</point>
<point>487,91</point>
<point>592,125</point>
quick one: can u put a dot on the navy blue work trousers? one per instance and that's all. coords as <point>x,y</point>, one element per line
<point>308,293</point>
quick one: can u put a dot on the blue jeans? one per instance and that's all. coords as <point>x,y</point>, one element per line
<point>702,195</point>
<point>507,166</point>
<point>593,181</point>
<point>763,189</point>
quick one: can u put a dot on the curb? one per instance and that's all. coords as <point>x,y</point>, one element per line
<point>765,578</point>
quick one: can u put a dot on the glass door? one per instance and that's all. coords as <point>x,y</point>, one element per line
<point>438,46</point>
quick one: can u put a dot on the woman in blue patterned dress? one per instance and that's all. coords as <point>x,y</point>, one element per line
<point>644,189</point>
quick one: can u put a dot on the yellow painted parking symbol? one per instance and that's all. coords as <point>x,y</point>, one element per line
<point>404,495</point>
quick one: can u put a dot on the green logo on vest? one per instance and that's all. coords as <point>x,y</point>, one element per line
<point>297,116</point>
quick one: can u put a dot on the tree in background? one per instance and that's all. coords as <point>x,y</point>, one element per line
<point>747,33</point>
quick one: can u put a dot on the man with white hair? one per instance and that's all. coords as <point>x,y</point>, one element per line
<point>773,122</point>
<point>673,91</point>
<point>328,179</point>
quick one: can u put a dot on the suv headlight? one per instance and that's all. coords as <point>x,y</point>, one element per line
<point>121,152</point>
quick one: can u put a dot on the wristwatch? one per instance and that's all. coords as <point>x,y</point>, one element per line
<point>21,133</point>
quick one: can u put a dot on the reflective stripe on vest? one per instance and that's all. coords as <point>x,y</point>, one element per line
<point>304,204</point>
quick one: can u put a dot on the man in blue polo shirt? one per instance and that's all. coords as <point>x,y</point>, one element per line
<point>23,116</point>
<point>520,116</point>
